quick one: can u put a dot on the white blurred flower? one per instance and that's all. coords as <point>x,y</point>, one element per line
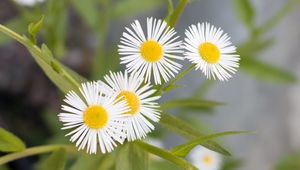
<point>29,2</point>
<point>205,159</point>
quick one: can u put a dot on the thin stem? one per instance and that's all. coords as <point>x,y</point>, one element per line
<point>176,14</point>
<point>12,34</point>
<point>34,151</point>
<point>166,155</point>
<point>178,77</point>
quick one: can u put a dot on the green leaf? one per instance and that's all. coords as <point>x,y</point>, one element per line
<point>186,130</point>
<point>190,103</point>
<point>183,149</point>
<point>88,12</point>
<point>289,162</point>
<point>34,28</point>
<point>133,7</point>
<point>9,142</point>
<point>55,29</point>
<point>132,157</point>
<point>86,161</point>
<point>245,11</point>
<point>52,68</point>
<point>231,164</point>
<point>166,155</point>
<point>266,72</point>
<point>56,161</point>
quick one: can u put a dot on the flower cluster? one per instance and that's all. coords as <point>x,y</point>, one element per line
<point>124,105</point>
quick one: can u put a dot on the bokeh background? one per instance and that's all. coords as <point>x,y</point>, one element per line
<point>263,97</point>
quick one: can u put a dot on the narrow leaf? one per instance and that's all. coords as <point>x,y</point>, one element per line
<point>190,103</point>
<point>131,157</point>
<point>266,72</point>
<point>186,130</point>
<point>245,12</point>
<point>166,155</point>
<point>87,11</point>
<point>133,7</point>
<point>9,142</point>
<point>56,161</point>
<point>183,149</point>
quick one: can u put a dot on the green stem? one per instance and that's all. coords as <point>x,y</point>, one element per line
<point>176,14</point>
<point>34,151</point>
<point>178,77</point>
<point>12,34</point>
<point>166,155</point>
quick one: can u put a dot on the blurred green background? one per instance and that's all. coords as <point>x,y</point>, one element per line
<point>263,96</point>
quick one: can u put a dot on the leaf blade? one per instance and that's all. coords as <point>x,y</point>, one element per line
<point>9,142</point>
<point>183,149</point>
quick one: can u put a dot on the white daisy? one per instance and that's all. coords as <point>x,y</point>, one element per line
<point>203,158</point>
<point>140,100</point>
<point>211,50</point>
<point>151,55</point>
<point>96,119</point>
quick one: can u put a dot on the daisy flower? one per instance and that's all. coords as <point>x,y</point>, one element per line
<point>211,51</point>
<point>96,120</point>
<point>203,158</point>
<point>151,55</point>
<point>140,100</point>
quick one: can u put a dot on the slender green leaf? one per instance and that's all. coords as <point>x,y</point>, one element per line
<point>56,161</point>
<point>133,7</point>
<point>56,26</point>
<point>9,142</point>
<point>183,149</point>
<point>186,130</point>
<point>190,103</point>
<point>245,11</point>
<point>86,161</point>
<point>166,155</point>
<point>231,164</point>
<point>88,12</point>
<point>266,72</point>
<point>131,157</point>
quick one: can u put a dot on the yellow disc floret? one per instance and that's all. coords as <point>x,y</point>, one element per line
<point>95,117</point>
<point>132,99</point>
<point>209,52</point>
<point>151,51</point>
<point>207,159</point>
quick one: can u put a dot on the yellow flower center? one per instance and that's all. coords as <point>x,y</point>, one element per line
<point>207,159</point>
<point>132,99</point>
<point>151,51</point>
<point>95,117</point>
<point>209,52</point>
